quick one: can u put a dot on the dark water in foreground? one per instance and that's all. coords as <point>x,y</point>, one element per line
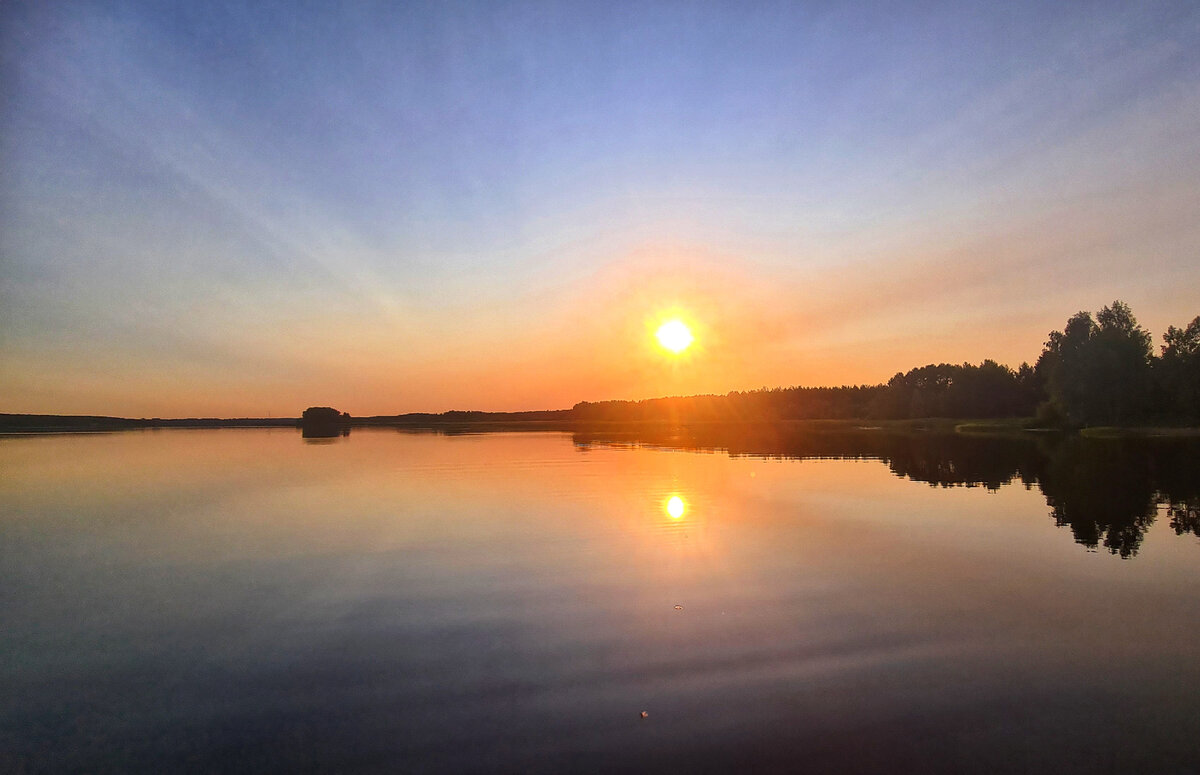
<point>243,600</point>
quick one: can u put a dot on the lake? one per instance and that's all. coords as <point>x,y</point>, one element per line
<point>605,601</point>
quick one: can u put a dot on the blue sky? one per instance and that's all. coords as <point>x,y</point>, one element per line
<point>209,209</point>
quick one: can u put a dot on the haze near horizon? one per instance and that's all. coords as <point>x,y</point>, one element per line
<point>215,210</point>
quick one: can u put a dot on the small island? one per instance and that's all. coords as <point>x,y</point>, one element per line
<point>324,422</point>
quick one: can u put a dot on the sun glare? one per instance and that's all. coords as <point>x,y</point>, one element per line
<point>674,335</point>
<point>675,507</point>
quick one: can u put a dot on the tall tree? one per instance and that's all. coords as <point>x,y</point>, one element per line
<point>1065,367</point>
<point>1122,361</point>
<point>1098,371</point>
<point>1179,370</point>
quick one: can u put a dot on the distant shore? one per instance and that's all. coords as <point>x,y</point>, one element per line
<point>59,423</point>
<point>564,420</point>
<point>66,423</point>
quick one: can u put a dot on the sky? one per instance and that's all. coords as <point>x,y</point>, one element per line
<point>220,210</point>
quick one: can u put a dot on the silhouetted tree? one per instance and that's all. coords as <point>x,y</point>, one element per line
<point>1065,367</point>
<point>1123,358</point>
<point>1098,371</point>
<point>1178,371</point>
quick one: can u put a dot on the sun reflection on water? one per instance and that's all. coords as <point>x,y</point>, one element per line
<point>675,507</point>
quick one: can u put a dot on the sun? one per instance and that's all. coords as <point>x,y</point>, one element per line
<point>676,507</point>
<point>674,335</point>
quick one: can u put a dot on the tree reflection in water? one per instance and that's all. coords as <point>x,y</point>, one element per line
<point>1106,491</point>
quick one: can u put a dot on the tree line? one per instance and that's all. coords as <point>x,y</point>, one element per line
<point>1098,370</point>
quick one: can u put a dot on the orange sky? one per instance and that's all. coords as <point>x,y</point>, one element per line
<point>422,211</point>
<point>596,342</point>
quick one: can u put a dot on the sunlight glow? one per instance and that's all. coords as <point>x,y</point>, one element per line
<point>674,335</point>
<point>676,507</point>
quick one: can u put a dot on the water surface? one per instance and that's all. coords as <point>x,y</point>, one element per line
<point>246,600</point>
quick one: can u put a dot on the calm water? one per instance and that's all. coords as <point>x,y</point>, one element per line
<point>245,600</point>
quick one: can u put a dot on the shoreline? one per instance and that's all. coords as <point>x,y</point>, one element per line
<point>19,425</point>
